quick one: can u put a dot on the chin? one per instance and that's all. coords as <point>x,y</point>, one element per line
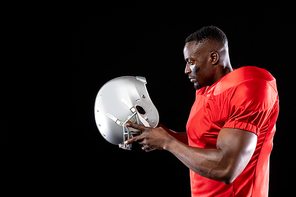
<point>197,86</point>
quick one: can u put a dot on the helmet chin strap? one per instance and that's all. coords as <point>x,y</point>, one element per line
<point>117,121</point>
<point>127,131</point>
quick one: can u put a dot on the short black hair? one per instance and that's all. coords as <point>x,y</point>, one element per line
<point>207,33</point>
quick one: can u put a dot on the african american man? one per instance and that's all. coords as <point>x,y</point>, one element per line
<point>231,125</point>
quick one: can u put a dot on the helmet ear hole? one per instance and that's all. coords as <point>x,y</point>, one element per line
<point>141,110</point>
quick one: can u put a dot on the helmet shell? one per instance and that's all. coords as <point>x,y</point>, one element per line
<point>109,101</point>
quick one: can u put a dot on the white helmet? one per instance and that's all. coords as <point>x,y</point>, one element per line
<point>122,100</point>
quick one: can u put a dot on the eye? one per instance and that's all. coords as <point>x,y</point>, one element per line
<point>191,63</point>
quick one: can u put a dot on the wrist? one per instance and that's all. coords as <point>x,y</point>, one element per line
<point>169,144</point>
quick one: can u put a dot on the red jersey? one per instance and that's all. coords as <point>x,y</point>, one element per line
<point>246,99</point>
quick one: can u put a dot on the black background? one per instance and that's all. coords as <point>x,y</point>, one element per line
<point>59,150</point>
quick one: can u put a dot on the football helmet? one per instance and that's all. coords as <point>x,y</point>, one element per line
<point>121,100</point>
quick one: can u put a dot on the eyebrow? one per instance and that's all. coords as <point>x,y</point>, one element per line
<point>188,59</point>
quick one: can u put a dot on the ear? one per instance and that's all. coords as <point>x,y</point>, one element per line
<point>214,57</point>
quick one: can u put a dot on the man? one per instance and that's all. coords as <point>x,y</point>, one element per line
<point>231,125</point>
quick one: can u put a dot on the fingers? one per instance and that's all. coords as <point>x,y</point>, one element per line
<point>136,126</point>
<point>135,139</point>
<point>140,138</point>
<point>140,128</point>
<point>132,140</point>
<point>145,146</point>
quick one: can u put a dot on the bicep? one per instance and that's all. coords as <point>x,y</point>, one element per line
<point>237,147</point>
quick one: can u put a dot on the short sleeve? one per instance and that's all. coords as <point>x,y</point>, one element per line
<point>250,104</point>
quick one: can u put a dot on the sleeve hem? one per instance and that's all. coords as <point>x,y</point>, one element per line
<point>242,125</point>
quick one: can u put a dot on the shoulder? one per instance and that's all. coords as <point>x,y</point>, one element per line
<point>246,78</point>
<point>248,88</point>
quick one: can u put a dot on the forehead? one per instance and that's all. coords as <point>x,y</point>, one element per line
<point>191,49</point>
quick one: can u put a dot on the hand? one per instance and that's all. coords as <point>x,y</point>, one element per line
<point>151,137</point>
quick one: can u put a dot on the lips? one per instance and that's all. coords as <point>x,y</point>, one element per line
<point>192,80</point>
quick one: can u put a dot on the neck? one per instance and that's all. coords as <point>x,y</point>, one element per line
<point>222,70</point>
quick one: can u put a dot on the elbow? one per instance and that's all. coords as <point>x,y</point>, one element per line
<point>226,180</point>
<point>227,176</point>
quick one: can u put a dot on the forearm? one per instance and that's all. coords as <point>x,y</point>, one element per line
<point>205,162</point>
<point>181,136</point>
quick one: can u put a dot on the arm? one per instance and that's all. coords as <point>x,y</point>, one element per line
<point>181,136</point>
<point>235,147</point>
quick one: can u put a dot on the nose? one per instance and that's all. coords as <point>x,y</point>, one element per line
<point>187,69</point>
